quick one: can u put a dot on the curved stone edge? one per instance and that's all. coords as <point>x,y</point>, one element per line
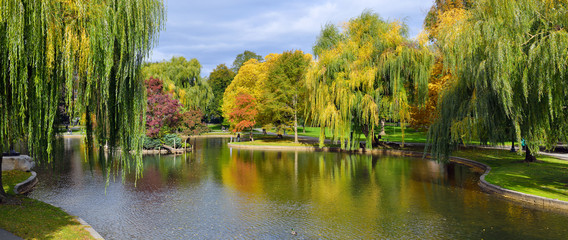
<point>508,194</point>
<point>83,223</point>
<point>89,229</point>
<point>511,194</point>
<point>27,185</point>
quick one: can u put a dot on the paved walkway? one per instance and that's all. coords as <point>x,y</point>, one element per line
<point>5,235</point>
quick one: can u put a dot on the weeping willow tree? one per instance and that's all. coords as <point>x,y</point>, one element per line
<point>509,60</point>
<point>366,72</point>
<point>88,52</point>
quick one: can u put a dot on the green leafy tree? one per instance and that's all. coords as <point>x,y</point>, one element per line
<point>90,53</point>
<point>200,96</point>
<point>285,91</point>
<point>509,59</point>
<point>177,70</point>
<point>329,37</point>
<point>364,73</point>
<point>219,80</point>
<point>243,58</point>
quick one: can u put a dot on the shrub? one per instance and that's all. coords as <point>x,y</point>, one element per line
<point>152,143</point>
<point>170,139</point>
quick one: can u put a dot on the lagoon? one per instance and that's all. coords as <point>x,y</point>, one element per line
<point>216,193</point>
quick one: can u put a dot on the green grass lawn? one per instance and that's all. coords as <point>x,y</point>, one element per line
<point>268,140</point>
<point>393,134</point>
<point>214,127</point>
<point>11,178</point>
<point>218,133</point>
<point>548,177</point>
<point>264,142</point>
<point>32,219</point>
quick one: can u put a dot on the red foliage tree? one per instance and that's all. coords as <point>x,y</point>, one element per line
<point>243,115</point>
<point>191,122</point>
<point>162,110</point>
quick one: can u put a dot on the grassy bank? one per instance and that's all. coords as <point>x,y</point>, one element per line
<point>218,133</point>
<point>548,177</point>
<point>393,134</point>
<point>32,219</point>
<point>269,140</point>
<point>11,178</point>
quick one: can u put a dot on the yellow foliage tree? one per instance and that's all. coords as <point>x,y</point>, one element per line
<point>444,16</point>
<point>367,72</point>
<point>251,79</point>
<point>421,117</point>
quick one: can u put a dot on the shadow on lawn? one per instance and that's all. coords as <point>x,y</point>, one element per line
<point>32,219</point>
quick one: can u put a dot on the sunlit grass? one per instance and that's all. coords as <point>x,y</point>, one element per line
<point>269,140</point>
<point>214,127</point>
<point>548,177</point>
<point>272,143</point>
<point>13,177</point>
<point>32,219</point>
<point>393,134</point>
<point>218,133</point>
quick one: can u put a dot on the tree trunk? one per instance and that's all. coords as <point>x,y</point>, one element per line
<point>295,127</point>
<point>3,195</point>
<point>322,137</point>
<point>513,139</point>
<point>529,157</point>
<point>370,135</point>
<point>382,127</point>
<point>250,136</point>
<point>295,103</point>
<point>513,146</point>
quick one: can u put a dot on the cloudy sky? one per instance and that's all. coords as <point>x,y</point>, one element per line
<point>216,31</point>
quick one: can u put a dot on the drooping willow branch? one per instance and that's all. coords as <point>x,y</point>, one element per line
<point>90,53</point>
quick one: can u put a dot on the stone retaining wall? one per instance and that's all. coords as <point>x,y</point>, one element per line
<point>21,162</point>
<point>27,185</point>
<point>515,196</point>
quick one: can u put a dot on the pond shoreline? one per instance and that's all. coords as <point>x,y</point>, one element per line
<point>519,197</point>
<point>23,188</point>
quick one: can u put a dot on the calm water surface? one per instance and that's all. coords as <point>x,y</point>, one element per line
<point>218,193</point>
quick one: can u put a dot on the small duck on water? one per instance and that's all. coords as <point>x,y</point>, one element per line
<point>293,232</point>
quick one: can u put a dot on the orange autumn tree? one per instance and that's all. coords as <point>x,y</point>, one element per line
<point>442,17</point>
<point>421,117</point>
<point>244,113</point>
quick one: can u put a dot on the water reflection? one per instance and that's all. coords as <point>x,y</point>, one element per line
<point>216,192</point>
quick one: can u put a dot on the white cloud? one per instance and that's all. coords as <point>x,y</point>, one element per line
<point>215,31</point>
